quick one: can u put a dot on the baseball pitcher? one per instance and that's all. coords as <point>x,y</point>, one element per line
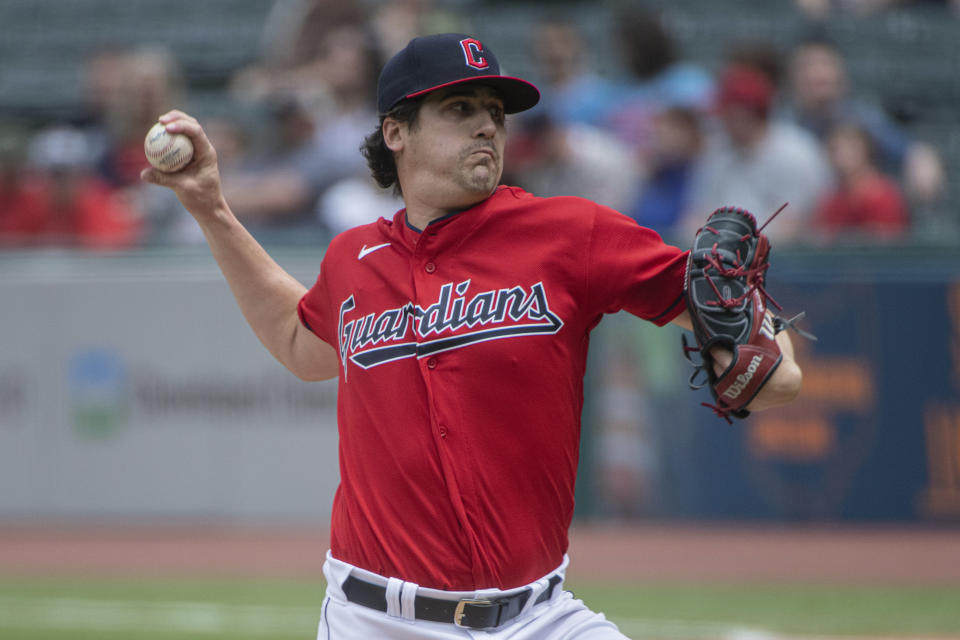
<point>458,330</point>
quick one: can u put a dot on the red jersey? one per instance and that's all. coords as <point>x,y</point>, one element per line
<point>462,352</point>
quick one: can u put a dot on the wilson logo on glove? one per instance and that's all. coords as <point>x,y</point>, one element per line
<point>743,379</point>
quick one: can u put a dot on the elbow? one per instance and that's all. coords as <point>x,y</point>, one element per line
<point>308,357</point>
<point>313,370</point>
<point>789,383</point>
<point>313,374</point>
<point>305,376</point>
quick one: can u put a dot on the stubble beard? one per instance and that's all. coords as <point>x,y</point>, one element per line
<point>479,177</point>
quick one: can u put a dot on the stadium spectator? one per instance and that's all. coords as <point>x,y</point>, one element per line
<point>819,99</point>
<point>761,55</point>
<point>577,159</point>
<point>657,78</point>
<point>102,78</point>
<point>395,22</point>
<point>664,194</point>
<point>571,91</point>
<point>276,186</point>
<point>865,203</point>
<point>354,201</point>
<point>295,43</point>
<point>60,201</point>
<point>350,65</point>
<point>315,137</point>
<point>291,47</point>
<point>123,91</point>
<point>16,202</point>
<point>150,82</point>
<point>755,162</point>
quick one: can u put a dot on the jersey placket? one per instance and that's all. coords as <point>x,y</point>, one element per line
<point>429,276</point>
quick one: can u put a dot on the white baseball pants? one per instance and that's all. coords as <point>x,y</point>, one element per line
<point>562,617</point>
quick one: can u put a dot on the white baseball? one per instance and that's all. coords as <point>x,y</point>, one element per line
<point>166,151</point>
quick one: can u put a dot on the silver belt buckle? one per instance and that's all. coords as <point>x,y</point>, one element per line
<point>459,613</point>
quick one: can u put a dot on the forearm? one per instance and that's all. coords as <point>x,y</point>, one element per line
<point>785,382</point>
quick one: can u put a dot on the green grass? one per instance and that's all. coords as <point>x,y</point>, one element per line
<point>108,609</point>
<point>240,591</point>
<point>826,610</point>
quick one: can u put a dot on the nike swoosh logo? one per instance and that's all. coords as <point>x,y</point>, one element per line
<point>364,250</point>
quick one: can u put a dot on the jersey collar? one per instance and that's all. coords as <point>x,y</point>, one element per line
<point>464,220</point>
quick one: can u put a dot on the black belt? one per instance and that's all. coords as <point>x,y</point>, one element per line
<point>474,613</point>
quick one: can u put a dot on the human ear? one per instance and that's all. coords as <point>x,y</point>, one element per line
<point>394,134</point>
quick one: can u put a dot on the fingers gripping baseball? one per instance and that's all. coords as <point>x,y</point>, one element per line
<point>197,184</point>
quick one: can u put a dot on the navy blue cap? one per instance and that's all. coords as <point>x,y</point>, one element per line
<point>432,62</point>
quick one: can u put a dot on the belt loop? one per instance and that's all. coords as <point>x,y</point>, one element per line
<point>394,587</point>
<point>408,596</point>
<point>537,587</point>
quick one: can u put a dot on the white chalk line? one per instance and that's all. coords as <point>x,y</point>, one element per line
<point>688,630</point>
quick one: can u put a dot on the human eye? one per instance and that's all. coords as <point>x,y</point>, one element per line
<point>459,106</point>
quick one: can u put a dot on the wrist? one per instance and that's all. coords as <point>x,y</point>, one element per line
<point>215,215</point>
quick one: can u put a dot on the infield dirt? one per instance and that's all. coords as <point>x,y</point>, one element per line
<point>646,553</point>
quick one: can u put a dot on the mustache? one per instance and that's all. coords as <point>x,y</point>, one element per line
<point>480,146</point>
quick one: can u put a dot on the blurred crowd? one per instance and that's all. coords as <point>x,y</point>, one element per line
<point>661,138</point>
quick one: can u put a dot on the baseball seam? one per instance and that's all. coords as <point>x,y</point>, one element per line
<point>172,156</point>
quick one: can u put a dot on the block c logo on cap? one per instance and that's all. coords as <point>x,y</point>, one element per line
<point>473,53</point>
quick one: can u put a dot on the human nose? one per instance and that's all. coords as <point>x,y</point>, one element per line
<point>487,126</point>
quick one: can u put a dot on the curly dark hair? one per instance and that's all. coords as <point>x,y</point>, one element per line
<point>379,157</point>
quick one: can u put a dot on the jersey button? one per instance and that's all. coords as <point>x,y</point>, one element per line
<point>429,267</point>
<point>431,363</point>
<point>443,431</point>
